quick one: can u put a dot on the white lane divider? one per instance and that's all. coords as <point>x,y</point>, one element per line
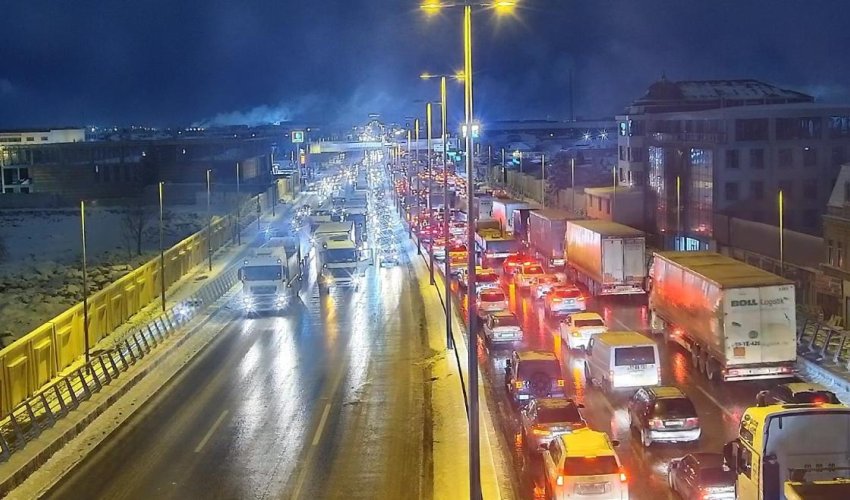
<point>210,432</point>
<point>321,426</point>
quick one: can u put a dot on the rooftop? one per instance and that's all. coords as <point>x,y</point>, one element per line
<point>607,228</point>
<point>665,95</point>
<point>724,271</point>
<point>623,338</point>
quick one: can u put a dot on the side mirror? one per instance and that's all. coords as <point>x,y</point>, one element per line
<point>730,455</point>
<point>615,443</point>
<point>240,274</point>
<point>507,363</point>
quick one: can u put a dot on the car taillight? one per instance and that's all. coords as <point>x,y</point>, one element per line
<point>556,299</point>
<point>518,384</point>
<point>560,480</point>
<point>692,421</point>
<point>655,423</point>
<point>560,382</point>
<point>623,476</point>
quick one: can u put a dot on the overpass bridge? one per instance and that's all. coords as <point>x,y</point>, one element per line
<point>349,146</point>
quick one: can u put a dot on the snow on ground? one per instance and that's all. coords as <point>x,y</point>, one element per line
<point>41,275</point>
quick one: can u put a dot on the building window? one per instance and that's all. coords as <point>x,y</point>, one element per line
<point>757,190</point>
<point>43,138</point>
<point>810,156</point>
<point>830,252</point>
<point>731,191</point>
<point>757,158</point>
<point>786,158</point>
<point>751,130</point>
<point>622,153</point>
<point>810,189</point>
<point>839,255</point>
<point>608,207</point>
<point>839,126</point>
<point>30,139</point>
<point>599,204</point>
<point>636,154</point>
<point>731,158</point>
<point>620,175</point>
<point>798,128</point>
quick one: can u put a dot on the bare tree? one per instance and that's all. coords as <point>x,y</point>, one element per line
<point>135,222</point>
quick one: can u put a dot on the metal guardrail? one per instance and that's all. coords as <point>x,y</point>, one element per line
<point>56,400</point>
<point>822,342</point>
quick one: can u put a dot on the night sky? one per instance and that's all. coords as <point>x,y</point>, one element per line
<point>182,62</point>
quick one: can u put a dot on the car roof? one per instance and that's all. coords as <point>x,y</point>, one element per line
<point>587,442</point>
<point>666,392</point>
<point>535,355</point>
<point>554,402</point>
<point>585,315</point>
<point>621,338</point>
<point>707,459</point>
<point>503,314</point>
<point>491,290</point>
<point>797,387</point>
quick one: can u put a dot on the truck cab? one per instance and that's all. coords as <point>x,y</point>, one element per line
<point>271,277</point>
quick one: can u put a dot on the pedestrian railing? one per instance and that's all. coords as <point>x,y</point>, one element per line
<point>56,400</point>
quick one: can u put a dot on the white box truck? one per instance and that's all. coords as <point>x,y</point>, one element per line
<point>271,277</point>
<point>339,260</point>
<point>737,321</point>
<point>609,258</point>
<point>503,211</point>
<point>547,229</point>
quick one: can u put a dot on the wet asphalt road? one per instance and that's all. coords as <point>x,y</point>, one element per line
<point>719,405</point>
<point>327,401</point>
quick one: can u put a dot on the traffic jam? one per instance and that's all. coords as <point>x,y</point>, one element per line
<point>617,371</point>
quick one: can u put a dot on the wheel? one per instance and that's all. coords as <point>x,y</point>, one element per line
<point>645,440</point>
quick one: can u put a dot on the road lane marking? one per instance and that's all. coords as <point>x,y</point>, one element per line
<point>715,401</point>
<point>321,427</point>
<point>210,432</point>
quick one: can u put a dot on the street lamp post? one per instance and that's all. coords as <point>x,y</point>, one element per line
<point>85,284</point>
<point>446,215</point>
<point>209,223</point>
<point>238,208</point>
<point>409,189</point>
<point>429,186</point>
<point>418,189</point>
<point>161,249</point>
<point>679,213</point>
<point>543,180</point>
<point>573,184</point>
<point>781,233</point>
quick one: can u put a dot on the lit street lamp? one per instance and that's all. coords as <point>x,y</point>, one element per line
<point>500,6</point>
<point>85,283</point>
<point>429,185</point>
<point>161,249</point>
<point>209,223</point>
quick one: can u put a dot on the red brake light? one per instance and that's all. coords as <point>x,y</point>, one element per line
<point>623,476</point>
<point>560,480</point>
<point>692,421</point>
<point>656,423</point>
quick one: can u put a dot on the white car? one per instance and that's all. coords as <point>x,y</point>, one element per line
<point>484,278</point>
<point>528,274</point>
<point>543,285</point>
<point>492,300</point>
<point>577,328</point>
<point>502,326</point>
<point>563,300</point>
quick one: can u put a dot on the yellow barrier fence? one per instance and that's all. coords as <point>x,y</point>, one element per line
<point>33,360</point>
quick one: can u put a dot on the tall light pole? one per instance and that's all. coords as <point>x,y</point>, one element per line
<point>543,180</point>
<point>86,345</point>
<point>679,212</point>
<point>409,187</point>
<point>781,233</point>
<point>209,222</point>
<point>472,359</point>
<point>238,208</point>
<point>418,189</point>
<point>573,184</point>
<point>161,249</point>
<point>430,185</point>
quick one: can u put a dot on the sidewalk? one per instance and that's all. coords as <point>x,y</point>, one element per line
<point>451,430</point>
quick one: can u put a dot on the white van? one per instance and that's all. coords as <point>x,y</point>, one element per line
<point>583,464</point>
<point>616,360</point>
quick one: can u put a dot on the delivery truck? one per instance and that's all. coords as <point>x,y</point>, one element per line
<point>547,229</point>
<point>520,224</point>
<point>608,258</point>
<point>503,211</point>
<point>737,321</point>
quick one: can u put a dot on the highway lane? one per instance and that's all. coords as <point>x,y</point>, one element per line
<point>326,402</point>
<point>719,405</point>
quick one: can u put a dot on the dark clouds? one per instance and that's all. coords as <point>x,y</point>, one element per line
<point>164,62</point>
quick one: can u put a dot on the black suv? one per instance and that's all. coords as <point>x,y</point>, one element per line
<point>663,414</point>
<point>797,393</point>
<point>533,374</point>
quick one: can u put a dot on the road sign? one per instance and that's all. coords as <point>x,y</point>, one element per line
<point>297,136</point>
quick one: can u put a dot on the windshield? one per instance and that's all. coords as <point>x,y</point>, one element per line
<point>589,322</point>
<point>533,270</point>
<point>716,476</point>
<point>457,248</point>
<point>816,397</point>
<point>638,355</point>
<point>487,278</point>
<point>339,272</point>
<point>590,466</point>
<point>492,296</point>
<point>338,256</point>
<point>506,321</point>
<point>564,414</point>
<point>261,273</point>
<point>674,407</point>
